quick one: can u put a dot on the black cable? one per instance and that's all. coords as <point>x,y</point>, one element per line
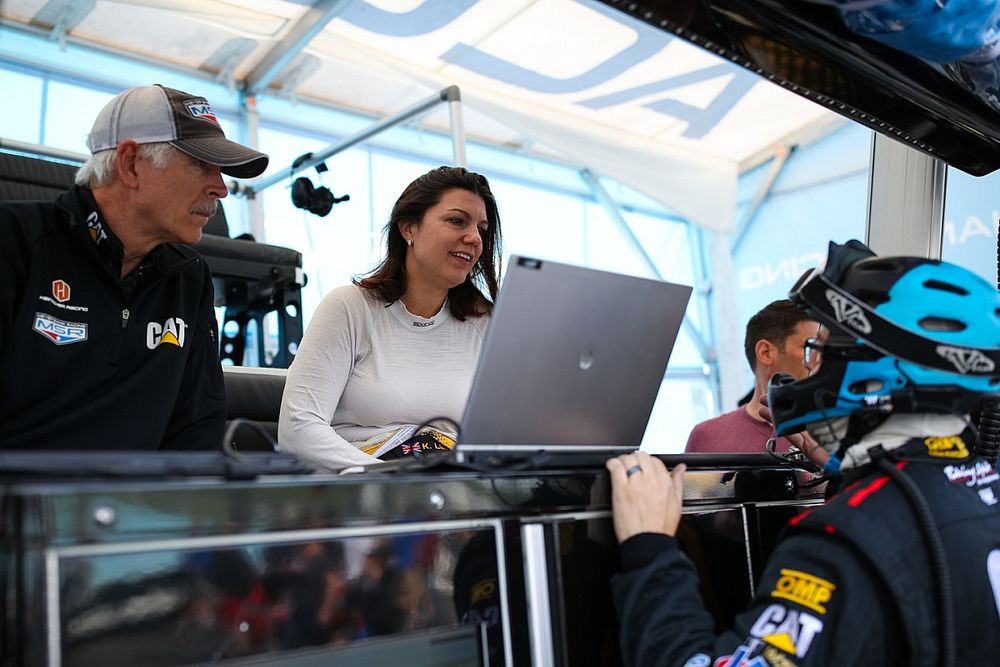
<point>935,548</point>
<point>988,437</point>
<point>418,453</point>
<point>228,446</point>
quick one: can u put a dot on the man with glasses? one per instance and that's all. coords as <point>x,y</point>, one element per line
<point>774,344</point>
<point>107,326</point>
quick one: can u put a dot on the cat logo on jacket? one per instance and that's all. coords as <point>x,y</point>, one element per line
<point>59,331</point>
<point>787,629</point>
<point>96,228</point>
<point>171,332</point>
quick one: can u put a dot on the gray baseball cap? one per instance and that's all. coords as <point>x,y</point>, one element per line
<point>154,114</point>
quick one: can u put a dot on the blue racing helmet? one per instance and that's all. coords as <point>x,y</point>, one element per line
<point>907,334</point>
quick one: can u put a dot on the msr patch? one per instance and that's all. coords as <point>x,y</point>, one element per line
<point>199,108</point>
<point>58,331</point>
<point>804,589</point>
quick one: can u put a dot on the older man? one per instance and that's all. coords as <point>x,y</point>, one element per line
<point>107,330</point>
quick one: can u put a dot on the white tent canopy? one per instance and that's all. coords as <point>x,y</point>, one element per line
<point>574,79</point>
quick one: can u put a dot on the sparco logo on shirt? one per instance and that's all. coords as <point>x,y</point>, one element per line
<point>171,332</point>
<point>848,313</point>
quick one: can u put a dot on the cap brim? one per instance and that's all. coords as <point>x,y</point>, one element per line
<point>232,158</point>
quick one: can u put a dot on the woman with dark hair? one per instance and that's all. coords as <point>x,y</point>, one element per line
<point>399,346</point>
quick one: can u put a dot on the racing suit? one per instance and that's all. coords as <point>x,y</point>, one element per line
<point>89,360</point>
<point>850,583</point>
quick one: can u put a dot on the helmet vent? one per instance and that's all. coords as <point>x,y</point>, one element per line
<point>941,324</point>
<point>865,387</point>
<point>878,265</point>
<point>872,297</point>
<point>946,287</point>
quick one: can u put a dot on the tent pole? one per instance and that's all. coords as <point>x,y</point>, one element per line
<point>254,209</point>
<point>457,125</point>
<point>602,196</point>
<point>416,110</point>
<point>781,155</point>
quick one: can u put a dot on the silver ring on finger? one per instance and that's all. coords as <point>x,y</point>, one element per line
<point>633,470</point>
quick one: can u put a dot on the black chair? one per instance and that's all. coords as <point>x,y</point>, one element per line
<point>253,396</point>
<point>251,279</point>
<point>30,178</point>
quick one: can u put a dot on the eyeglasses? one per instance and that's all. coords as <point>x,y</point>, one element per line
<point>812,353</point>
<point>814,349</point>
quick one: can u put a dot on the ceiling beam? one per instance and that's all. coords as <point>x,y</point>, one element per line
<point>288,47</point>
<point>63,16</point>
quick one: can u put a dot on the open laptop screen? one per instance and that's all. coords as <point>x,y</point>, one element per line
<point>572,361</point>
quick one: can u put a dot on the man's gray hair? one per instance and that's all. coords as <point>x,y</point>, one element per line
<point>99,169</point>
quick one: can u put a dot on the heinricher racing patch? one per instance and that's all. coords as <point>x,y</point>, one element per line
<point>58,331</point>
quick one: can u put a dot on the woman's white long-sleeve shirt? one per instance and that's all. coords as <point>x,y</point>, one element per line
<point>364,369</point>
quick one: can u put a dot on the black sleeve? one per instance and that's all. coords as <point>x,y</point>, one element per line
<point>199,416</point>
<point>13,271</point>
<point>818,603</point>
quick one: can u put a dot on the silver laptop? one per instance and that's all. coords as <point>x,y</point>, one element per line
<point>572,361</point>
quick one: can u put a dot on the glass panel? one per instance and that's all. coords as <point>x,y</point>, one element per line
<point>183,606</point>
<point>971,213</point>
<point>680,404</point>
<point>457,647</point>
<point>335,247</point>
<point>586,557</point>
<point>540,223</point>
<point>20,121</point>
<point>70,113</point>
<point>609,249</point>
<point>820,195</point>
<point>390,176</point>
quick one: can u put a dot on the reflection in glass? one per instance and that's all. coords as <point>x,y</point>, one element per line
<point>180,607</point>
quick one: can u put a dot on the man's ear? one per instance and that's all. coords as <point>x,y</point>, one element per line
<point>126,163</point>
<point>766,352</point>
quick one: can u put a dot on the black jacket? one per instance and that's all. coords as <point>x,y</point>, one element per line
<point>849,584</point>
<point>89,361</point>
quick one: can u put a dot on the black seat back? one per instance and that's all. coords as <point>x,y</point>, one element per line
<point>31,178</point>
<point>254,394</point>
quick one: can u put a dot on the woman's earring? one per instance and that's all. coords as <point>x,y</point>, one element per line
<point>409,242</point>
